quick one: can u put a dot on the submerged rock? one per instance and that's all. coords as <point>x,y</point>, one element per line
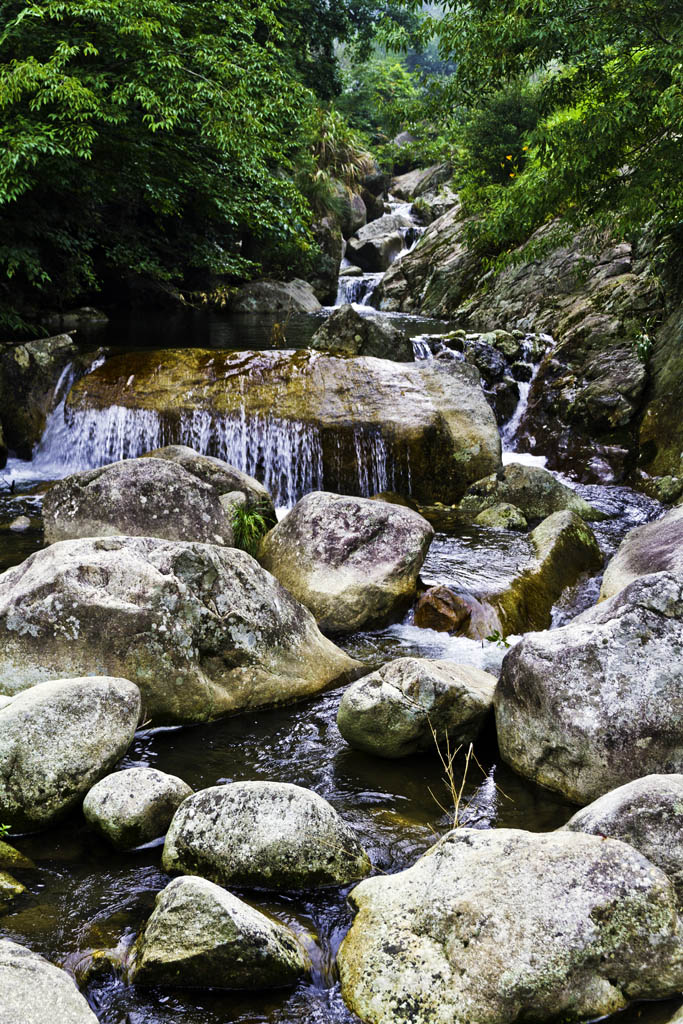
<point>592,705</point>
<point>56,740</point>
<point>352,561</point>
<point>646,813</point>
<point>295,296</point>
<point>500,926</point>
<point>9,890</point>
<point>346,425</point>
<point>204,631</point>
<point>34,991</point>
<point>12,859</point>
<point>532,490</point>
<point>347,333</point>
<point>396,711</point>
<point>134,806</point>
<point>136,498</point>
<point>201,936</point>
<point>439,608</point>
<point>654,547</point>
<point>268,835</point>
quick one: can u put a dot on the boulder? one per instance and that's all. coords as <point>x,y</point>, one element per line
<point>201,936</point>
<point>204,631</point>
<point>132,807</point>
<point>295,296</point>
<point>502,516</point>
<point>9,890</point>
<point>416,183</point>
<point>12,858</point>
<point>648,815</point>
<point>376,246</point>
<point>347,333</point>
<point>396,711</point>
<point>56,740</point>
<point>224,478</point>
<point>136,498</point>
<point>592,705</point>
<point>266,835</point>
<point>660,434</point>
<point>535,491</point>
<point>654,547</point>
<point>306,421</point>
<point>34,991</point>
<point>502,925</point>
<point>353,562</point>
<point>439,608</point>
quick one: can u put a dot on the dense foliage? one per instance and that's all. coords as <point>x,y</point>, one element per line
<point>603,134</point>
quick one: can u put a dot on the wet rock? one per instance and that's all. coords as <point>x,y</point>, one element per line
<point>28,375</point>
<point>9,889</point>
<point>592,705</point>
<point>646,813</point>
<point>201,936</point>
<point>224,478</point>
<point>535,491</point>
<point>136,498</point>
<point>502,516</point>
<point>276,297</point>
<point>502,925</point>
<point>20,525</point>
<point>503,399</point>
<point>204,631</point>
<point>660,435</point>
<point>374,205</point>
<point>12,859</point>
<point>134,806</point>
<point>441,609</point>
<point>347,333</point>
<point>396,711</point>
<point>268,835</point>
<point>56,740</point>
<point>416,183</point>
<point>654,547</point>
<point>34,991</point>
<point>347,425</point>
<point>488,360</point>
<point>377,245</point>
<point>353,562</point>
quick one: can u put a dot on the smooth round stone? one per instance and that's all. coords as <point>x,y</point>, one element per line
<point>134,806</point>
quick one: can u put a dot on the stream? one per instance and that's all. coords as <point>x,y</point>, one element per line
<point>85,897</point>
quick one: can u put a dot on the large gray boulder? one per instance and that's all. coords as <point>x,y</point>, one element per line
<point>393,711</point>
<point>501,926</point>
<point>654,547</point>
<point>34,991</point>
<point>295,296</point>
<point>204,631</point>
<point>648,815</point>
<point>597,703</point>
<point>352,561</point>
<point>136,498</point>
<point>268,835</point>
<point>424,179</point>
<point>224,478</point>
<point>376,246</point>
<point>535,491</point>
<point>134,806</point>
<point>57,740</point>
<point>201,936</point>
<point>347,333</point>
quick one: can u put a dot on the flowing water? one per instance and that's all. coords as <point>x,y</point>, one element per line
<point>84,897</point>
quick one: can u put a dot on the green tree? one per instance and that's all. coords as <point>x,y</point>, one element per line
<point>608,140</point>
<point>140,141</point>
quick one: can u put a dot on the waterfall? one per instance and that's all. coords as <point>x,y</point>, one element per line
<point>356,289</point>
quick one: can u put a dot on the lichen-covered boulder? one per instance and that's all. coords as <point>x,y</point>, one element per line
<point>268,835</point>
<point>592,705</point>
<point>265,296</point>
<point>654,547</point>
<point>56,740</point>
<point>353,561</point>
<point>503,925</point>
<point>502,516</point>
<point>201,936</point>
<point>136,498</point>
<point>397,710</point>
<point>34,991</point>
<point>134,806</point>
<point>224,478</point>
<point>348,333</point>
<point>648,815</point>
<point>532,490</point>
<point>202,630</point>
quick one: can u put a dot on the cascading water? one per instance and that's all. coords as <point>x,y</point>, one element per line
<point>356,290</point>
